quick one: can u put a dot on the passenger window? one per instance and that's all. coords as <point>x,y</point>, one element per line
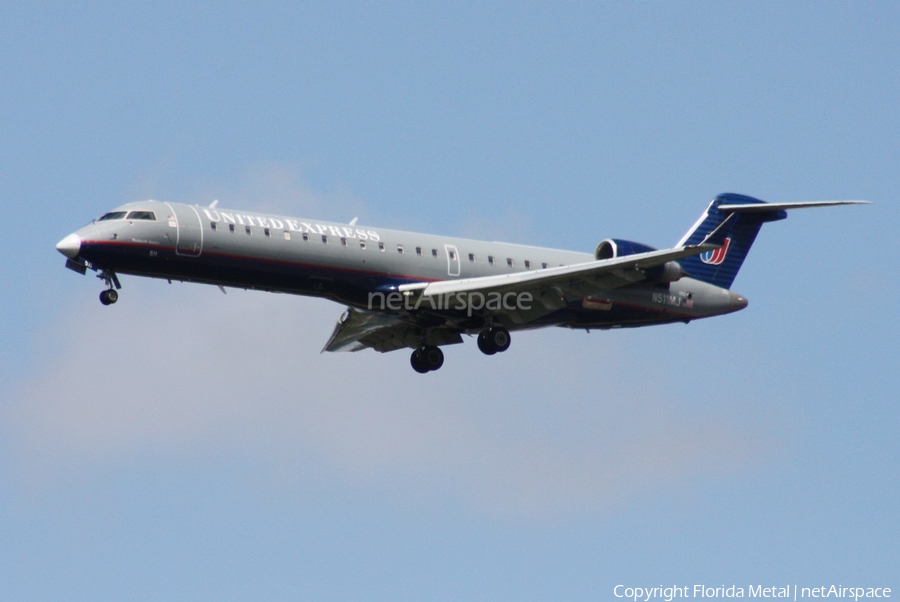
<point>381,247</point>
<point>510,262</point>
<point>267,232</point>
<point>472,257</point>
<point>419,251</point>
<point>362,244</point>
<point>343,242</point>
<point>544,265</point>
<point>324,239</point>
<point>212,225</point>
<point>287,235</point>
<point>491,259</point>
<point>400,249</point>
<point>434,252</point>
<point>231,227</point>
<point>305,237</point>
<point>248,230</point>
<point>527,265</point>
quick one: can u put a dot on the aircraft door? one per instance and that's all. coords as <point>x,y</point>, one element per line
<point>452,260</point>
<point>189,231</point>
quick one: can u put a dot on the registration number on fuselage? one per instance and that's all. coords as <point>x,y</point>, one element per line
<point>679,300</point>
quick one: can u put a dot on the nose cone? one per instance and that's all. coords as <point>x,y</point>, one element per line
<point>70,246</point>
<point>737,302</point>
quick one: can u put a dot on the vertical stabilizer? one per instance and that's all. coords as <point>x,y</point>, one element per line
<point>735,230</point>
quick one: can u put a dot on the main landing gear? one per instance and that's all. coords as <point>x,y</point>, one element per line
<point>430,357</point>
<point>493,340</point>
<point>111,294</point>
<point>427,358</point>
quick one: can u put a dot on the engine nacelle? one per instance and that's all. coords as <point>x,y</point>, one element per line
<point>670,271</point>
<point>611,248</point>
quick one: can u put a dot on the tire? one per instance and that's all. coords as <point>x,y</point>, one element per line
<point>484,344</point>
<point>499,339</point>
<point>432,357</point>
<point>417,362</point>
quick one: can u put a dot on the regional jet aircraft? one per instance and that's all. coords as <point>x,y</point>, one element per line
<point>421,291</point>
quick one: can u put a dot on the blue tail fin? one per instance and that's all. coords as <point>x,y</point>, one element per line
<point>735,230</point>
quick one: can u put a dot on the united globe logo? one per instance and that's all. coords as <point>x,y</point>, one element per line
<point>716,256</point>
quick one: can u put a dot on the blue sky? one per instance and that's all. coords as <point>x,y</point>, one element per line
<point>189,445</point>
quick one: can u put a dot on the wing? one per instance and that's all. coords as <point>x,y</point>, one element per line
<point>436,323</point>
<point>359,329</point>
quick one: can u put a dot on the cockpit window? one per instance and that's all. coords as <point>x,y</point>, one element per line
<point>112,215</point>
<point>146,215</point>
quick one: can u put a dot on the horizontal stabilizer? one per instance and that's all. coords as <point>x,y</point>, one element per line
<point>732,222</point>
<point>764,207</point>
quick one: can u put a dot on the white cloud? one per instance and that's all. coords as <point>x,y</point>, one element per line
<point>189,373</point>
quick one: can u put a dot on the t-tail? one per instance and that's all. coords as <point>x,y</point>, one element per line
<point>732,221</point>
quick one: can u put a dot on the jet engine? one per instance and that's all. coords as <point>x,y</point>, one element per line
<point>611,248</point>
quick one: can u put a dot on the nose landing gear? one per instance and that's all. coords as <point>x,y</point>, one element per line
<point>111,294</point>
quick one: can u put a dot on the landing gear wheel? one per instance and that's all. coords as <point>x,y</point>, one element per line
<point>108,297</point>
<point>433,357</point>
<point>499,338</point>
<point>415,360</point>
<point>425,359</point>
<point>493,340</point>
<point>484,345</point>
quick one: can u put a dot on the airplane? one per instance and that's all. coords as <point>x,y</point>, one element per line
<point>422,291</point>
